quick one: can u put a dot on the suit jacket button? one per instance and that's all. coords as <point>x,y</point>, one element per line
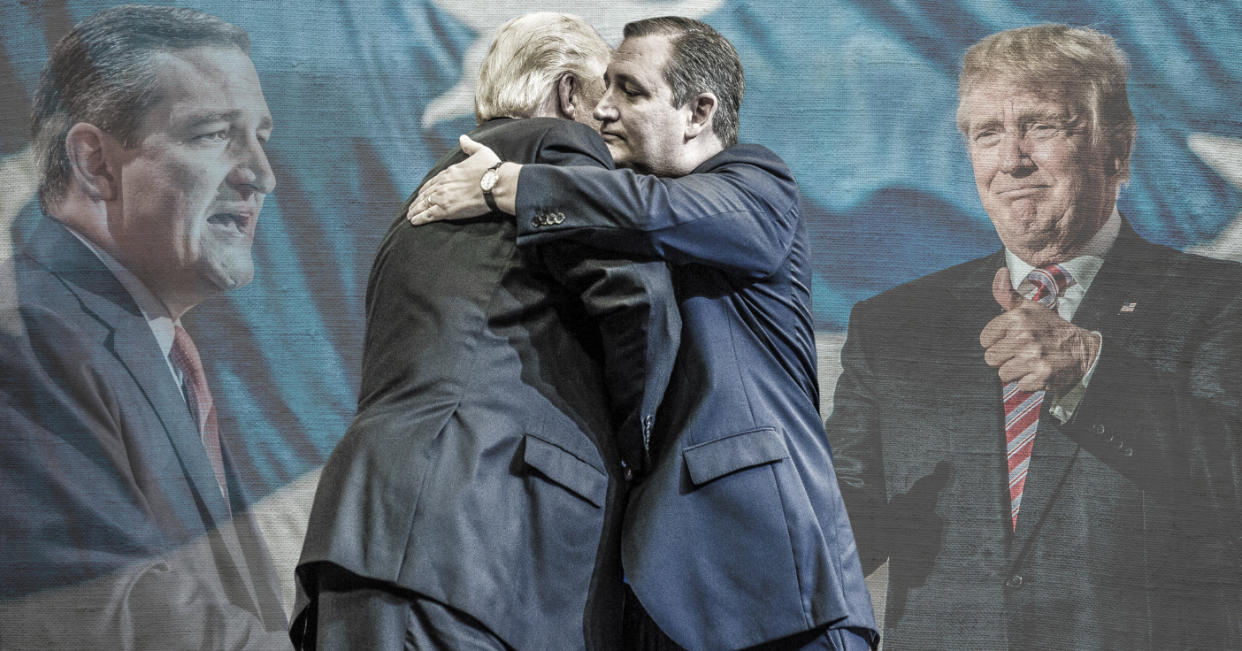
<point>1098,429</point>
<point>1014,581</point>
<point>560,218</point>
<point>629,474</point>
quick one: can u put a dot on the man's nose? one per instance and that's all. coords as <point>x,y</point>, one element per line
<point>605,111</point>
<point>252,172</point>
<point>1014,155</point>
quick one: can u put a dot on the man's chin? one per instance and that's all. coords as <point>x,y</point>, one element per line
<point>620,157</point>
<point>231,275</point>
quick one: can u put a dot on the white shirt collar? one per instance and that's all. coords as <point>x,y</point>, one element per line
<point>1081,268</point>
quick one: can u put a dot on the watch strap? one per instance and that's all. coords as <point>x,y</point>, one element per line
<point>487,194</point>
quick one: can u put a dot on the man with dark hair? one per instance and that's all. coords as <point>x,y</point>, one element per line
<point>1044,443</point>
<point>735,534</point>
<point>699,59</point>
<point>113,92</point>
<point>475,501</point>
<point>124,520</point>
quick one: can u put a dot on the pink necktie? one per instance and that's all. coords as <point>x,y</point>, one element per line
<point>185,356</point>
<point>1022,407</point>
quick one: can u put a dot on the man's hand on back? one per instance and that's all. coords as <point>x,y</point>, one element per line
<point>455,193</point>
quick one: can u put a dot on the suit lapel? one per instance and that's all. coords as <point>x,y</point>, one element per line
<point>978,419</point>
<point>104,298</point>
<point>1128,270</point>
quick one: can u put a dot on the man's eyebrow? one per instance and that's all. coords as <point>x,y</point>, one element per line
<point>1025,117</point>
<point>195,119</point>
<point>988,123</point>
<point>1049,115</point>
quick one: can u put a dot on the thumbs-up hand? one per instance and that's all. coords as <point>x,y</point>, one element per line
<point>1003,291</point>
<point>1032,344</point>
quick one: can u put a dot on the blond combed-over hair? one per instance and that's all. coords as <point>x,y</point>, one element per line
<point>527,57</point>
<point>1082,65</point>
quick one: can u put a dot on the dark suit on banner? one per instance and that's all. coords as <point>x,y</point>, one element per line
<point>1129,533</point>
<point>481,471</point>
<point>113,530</point>
<point>737,535</point>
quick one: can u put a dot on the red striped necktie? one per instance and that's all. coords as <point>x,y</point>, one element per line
<point>1022,407</point>
<point>185,357</point>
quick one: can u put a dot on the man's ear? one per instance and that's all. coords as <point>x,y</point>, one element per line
<point>702,110</point>
<point>1117,161</point>
<point>88,148</point>
<point>568,89</point>
<point>1117,154</point>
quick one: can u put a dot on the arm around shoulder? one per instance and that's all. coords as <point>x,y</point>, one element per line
<point>738,212</point>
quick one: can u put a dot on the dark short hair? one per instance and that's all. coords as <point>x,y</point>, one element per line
<point>700,60</point>
<point>102,73</point>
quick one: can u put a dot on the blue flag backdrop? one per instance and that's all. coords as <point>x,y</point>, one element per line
<point>857,96</point>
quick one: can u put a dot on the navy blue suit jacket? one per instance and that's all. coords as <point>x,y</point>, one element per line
<point>737,534</point>
<point>106,491</point>
<point>483,469</point>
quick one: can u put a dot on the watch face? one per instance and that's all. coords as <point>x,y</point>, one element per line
<point>489,180</point>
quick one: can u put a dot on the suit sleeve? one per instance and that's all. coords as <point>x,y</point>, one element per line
<point>1169,417</point>
<point>853,430</point>
<point>83,562</point>
<point>740,216</point>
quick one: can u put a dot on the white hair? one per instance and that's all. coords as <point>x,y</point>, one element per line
<point>527,57</point>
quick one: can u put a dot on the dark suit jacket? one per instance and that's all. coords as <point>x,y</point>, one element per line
<point>738,535</point>
<point>481,470</point>
<point>1128,536</point>
<point>106,493</point>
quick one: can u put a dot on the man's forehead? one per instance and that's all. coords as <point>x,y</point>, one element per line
<point>641,57</point>
<point>987,98</point>
<point>205,84</point>
<point>205,63</point>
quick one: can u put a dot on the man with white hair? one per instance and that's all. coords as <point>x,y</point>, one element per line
<point>475,501</point>
<point>1044,443</point>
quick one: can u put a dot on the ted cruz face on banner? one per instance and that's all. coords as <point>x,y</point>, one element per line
<point>194,182</point>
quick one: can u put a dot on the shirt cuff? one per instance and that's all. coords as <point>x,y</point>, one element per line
<point>1064,405</point>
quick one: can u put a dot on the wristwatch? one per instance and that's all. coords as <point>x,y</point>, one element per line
<point>490,177</point>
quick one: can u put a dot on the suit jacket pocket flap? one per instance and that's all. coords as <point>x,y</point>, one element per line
<point>713,459</point>
<point>563,468</point>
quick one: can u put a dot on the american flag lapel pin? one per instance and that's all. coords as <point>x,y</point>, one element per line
<point>1128,307</point>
